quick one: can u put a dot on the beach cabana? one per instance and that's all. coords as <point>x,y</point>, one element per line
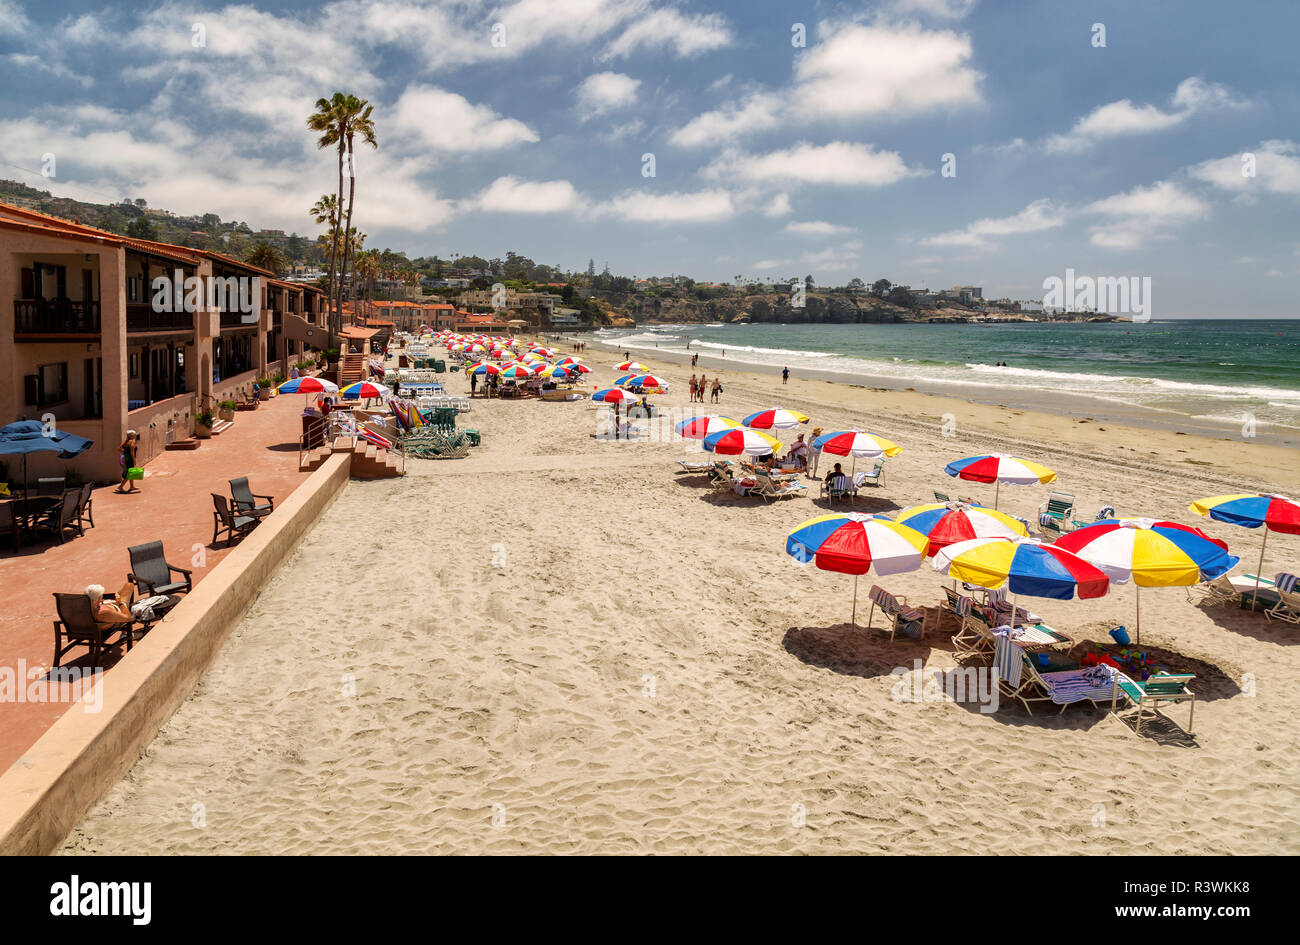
<point>998,468</point>
<point>1149,553</point>
<point>1275,513</point>
<point>857,544</point>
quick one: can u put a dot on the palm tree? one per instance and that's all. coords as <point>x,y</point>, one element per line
<point>266,256</point>
<point>326,210</point>
<point>330,122</point>
<point>367,264</point>
<point>356,112</point>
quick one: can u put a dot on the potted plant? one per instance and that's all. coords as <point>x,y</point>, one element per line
<point>203,421</point>
<point>264,388</point>
<point>226,410</point>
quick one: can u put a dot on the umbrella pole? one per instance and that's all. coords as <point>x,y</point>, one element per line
<point>854,618</point>
<point>1254,603</point>
<point>1137,624</point>
<point>997,485</point>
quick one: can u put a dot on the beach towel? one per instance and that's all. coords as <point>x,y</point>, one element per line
<point>1009,658</point>
<point>1095,683</point>
<point>370,436</point>
<point>144,609</point>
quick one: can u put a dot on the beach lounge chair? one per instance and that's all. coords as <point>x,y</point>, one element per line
<point>77,626</point>
<point>997,598</point>
<point>975,635</point>
<point>247,502</point>
<point>225,522</point>
<point>839,487</point>
<point>1288,606</point>
<point>1163,687</point>
<point>720,473</point>
<point>911,620</point>
<point>1057,512</point>
<point>770,488</point>
<point>942,497</point>
<point>1019,678</point>
<point>1218,591</point>
<point>151,573</point>
<point>63,516</point>
<point>695,466</point>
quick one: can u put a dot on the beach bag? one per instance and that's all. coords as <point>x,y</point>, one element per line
<point>135,472</point>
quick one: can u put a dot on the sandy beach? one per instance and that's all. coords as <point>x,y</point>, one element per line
<point>563,645</point>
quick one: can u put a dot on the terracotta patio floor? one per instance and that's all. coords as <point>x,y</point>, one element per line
<point>174,504</point>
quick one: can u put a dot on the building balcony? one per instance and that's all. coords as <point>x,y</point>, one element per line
<point>55,317</point>
<point>141,317</point>
<point>238,320</point>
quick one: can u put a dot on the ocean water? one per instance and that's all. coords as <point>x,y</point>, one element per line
<point>1223,370</point>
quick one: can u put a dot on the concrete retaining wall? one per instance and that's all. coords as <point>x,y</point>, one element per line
<point>49,789</point>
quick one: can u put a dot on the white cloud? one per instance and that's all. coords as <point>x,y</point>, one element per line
<point>759,112</point>
<point>1276,170</point>
<point>939,9</point>
<point>444,121</point>
<point>700,207</point>
<point>779,206</point>
<point>688,35</point>
<point>1193,96</point>
<point>817,228</point>
<point>835,259</point>
<point>1143,214</point>
<point>771,263</point>
<point>1037,216</point>
<point>854,71</point>
<point>13,21</point>
<point>839,162</point>
<point>603,91</point>
<point>511,195</point>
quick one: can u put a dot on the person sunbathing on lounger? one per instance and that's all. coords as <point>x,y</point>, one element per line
<point>108,613</point>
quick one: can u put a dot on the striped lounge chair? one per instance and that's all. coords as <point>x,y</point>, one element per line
<point>1163,687</point>
<point>1020,679</point>
<point>1288,606</point>
<point>911,620</point>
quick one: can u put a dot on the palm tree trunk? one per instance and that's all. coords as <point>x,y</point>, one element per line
<point>336,304</point>
<point>347,230</point>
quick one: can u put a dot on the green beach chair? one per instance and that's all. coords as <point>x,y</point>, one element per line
<point>1163,687</point>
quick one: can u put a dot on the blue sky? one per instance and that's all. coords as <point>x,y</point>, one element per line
<point>770,159</point>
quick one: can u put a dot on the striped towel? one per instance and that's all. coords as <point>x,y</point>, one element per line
<point>1285,582</point>
<point>1009,658</point>
<point>1074,685</point>
<point>370,436</point>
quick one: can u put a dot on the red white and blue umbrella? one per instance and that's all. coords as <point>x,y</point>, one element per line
<point>1276,513</point>
<point>855,443</point>
<point>365,389</point>
<point>1023,566</point>
<point>947,523</point>
<point>998,468</point>
<point>856,544</point>
<point>645,382</point>
<point>614,395</point>
<point>516,371</point>
<point>308,385</point>
<point>775,418</point>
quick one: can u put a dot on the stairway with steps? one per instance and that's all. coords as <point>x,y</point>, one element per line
<point>368,460</point>
<point>352,369</point>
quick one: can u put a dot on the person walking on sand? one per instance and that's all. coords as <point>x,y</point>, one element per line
<point>717,390</point>
<point>127,458</point>
<point>785,375</point>
<point>694,385</point>
<point>704,383</point>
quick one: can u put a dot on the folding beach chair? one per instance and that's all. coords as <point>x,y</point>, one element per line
<point>1019,678</point>
<point>874,476</point>
<point>1216,592</point>
<point>1288,606</point>
<point>911,620</point>
<point>770,489</point>
<point>1059,508</point>
<point>1002,607</point>
<point>975,635</point>
<point>839,487</point>
<point>1163,687</point>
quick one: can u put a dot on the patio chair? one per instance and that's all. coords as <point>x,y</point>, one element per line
<point>8,523</point>
<point>975,635</point>
<point>1288,606</point>
<point>839,487</point>
<point>247,502</point>
<point>225,522</point>
<point>911,620</point>
<point>770,488</point>
<point>151,573</point>
<point>51,486</point>
<point>63,516</point>
<point>77,626</point>
<point>85,502</point>
<point>1161,688</point>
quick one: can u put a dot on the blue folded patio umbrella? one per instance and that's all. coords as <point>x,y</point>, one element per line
<point>31,436</point>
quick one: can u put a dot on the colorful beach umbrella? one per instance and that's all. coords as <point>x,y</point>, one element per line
<point>697,428</point>
<point>1023,566</point>
<point>308,385</point>
<point>614,395</point>
<point>1150,553</point>
<point>516,371</point>
<point>947,523</point>
<point>775,418</point>
<point>998,468</point>
<point>856,544</point>
<point>633,367</point>
<point>647,382</point>
<point>855,443</point>
<point>483,367</point>
<point>365,389</point>
<point>738,441</point>
<point>1276,513</point>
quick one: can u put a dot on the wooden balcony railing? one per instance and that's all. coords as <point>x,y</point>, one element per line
<point>55,317</point>
<point>140,316</point>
